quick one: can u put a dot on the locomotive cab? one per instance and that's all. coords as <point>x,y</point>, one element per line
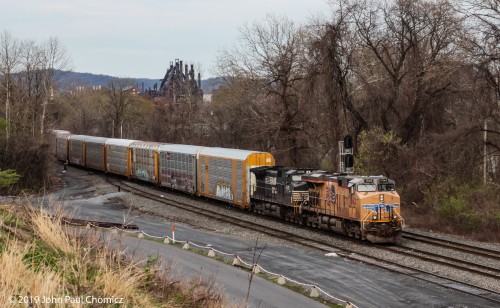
<point>379,205</point>
<point>377,195</point>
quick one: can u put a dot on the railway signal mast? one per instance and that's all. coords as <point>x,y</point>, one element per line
<point>346,155</point>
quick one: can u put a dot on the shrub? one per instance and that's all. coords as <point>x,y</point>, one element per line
<point>8,177</point>
<point>30,159</point>
<point>465,207</point>
<point>451,208</point>
<point>377,151</point>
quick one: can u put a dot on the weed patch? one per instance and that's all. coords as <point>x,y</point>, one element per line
<point>59,262</point>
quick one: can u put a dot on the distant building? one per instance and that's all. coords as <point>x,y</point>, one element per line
<point>134,90</point>
<point>87,89</point>
<point>179,84</point>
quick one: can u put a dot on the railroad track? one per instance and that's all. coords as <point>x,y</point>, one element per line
<point>212,214</point>
<point>456,263</point>
<point>343,252</point>
<point>447,244</point>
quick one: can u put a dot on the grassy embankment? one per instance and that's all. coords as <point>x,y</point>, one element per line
<point>42,260</point>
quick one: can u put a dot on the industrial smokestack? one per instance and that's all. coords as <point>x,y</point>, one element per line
<point>180,68</point>
<point>186,71</point>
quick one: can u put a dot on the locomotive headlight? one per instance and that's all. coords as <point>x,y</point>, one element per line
<point>374,217</point>
<point>381,197</point>
<point>395,216</point>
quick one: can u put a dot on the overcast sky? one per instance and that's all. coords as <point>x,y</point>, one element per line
<point>132,38</point>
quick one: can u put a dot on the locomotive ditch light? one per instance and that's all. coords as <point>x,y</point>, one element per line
<point>374,217</point>
<point>381,197</point>
<point>395,216</point>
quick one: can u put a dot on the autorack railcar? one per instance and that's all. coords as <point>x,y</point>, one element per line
<point>61,143</point>
<point>95,153</point>
<point>224,174</point>
<point>76,149</point>
<point>144,164</point>
<point>118,156</point>
<point>178,168</point>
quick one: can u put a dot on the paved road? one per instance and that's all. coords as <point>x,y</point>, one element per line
<point>233,280</point>
<point>361,284</point>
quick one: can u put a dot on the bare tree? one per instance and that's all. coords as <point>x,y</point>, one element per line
<point>31,89</point>
<point>414,47</point>
<point>9,64</point>
<point>234,109</point>
<point>255,262</point>
<point>329,85</point>
<point>117,105</point>
<point>271,55</point>
<point>36,83</point>
<point>79,112</point>
<point>54,58</point>
<point>482,45</point>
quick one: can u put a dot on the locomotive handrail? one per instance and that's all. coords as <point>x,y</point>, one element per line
<point>401,218</point>
<point>363,221</point>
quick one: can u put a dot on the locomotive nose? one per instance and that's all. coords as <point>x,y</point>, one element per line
<point>380,206</point>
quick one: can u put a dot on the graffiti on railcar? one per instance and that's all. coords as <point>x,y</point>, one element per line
<point>178,180</point>
<point>224,191</point>
<point>142,174</point>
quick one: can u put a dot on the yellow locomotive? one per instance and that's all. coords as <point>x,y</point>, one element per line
<point>366,207</point>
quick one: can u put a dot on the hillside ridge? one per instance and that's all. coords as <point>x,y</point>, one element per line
<point>70,79</point>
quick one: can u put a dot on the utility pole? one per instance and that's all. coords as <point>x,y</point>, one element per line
<point>485,151</point>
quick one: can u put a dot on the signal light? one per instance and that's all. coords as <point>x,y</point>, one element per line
<point>349,160</point>
<point>348,142</point>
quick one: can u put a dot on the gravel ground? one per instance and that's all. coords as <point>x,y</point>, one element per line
<point>454,254</point>
<point>100,186</point>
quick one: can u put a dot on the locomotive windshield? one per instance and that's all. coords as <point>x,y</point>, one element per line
<point>363,187</point>
<point>386,187</point>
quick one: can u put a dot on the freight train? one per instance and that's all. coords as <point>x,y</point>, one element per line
<point>365,207</point>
